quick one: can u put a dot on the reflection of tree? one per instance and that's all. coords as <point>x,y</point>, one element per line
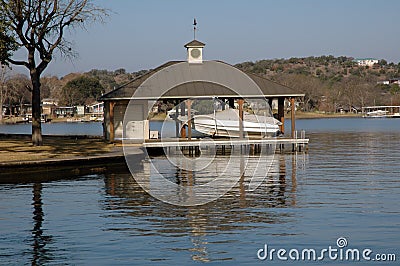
<point>40,252</point>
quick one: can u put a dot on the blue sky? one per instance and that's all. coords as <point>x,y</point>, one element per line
<point>144,34</point>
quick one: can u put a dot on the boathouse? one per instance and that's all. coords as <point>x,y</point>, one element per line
<point>178,81</point>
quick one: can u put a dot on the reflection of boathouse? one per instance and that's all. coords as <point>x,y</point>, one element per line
<point>177,81</point>
<point>239,209</point>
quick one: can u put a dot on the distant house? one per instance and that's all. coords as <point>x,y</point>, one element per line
<point>96,108</point>
<point>80,110</point>
<point>64,111</point>
<point>49,101</point>
<point>96,111</point>
<point>48,106</point>
<point>348,109</point>
<point>6,110</point>
<point>390,81</point>
<point>366,61</point>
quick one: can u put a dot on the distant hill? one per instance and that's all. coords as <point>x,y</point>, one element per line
<point>322,67</point>
<point>331,82</point>
<point>113,79</point>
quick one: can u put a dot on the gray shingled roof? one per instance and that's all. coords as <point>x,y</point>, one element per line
<point>180,79</point>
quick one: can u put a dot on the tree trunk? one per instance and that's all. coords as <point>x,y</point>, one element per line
<point>1,102</point>
<point>36,110</point>
<point>1,106</point>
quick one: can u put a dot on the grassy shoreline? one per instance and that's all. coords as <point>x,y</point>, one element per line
<point>310,115</point>
<point>21,149</point>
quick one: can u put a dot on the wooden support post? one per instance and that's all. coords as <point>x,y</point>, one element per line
<point>112,127</point>
<point>231,103</point>
<point>293,116</point>
<point>281,113</point>
<point>270,102</point>
<point>176,119</point>
<point>189,122</point>
<point>183,129</point>
<point>240,102</point>
<point>183,108</point>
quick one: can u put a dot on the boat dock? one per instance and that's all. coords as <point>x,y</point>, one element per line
<point>392,111</point>
<point>193,146</point>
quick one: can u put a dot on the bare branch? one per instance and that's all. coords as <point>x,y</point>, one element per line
<point>18,63</point>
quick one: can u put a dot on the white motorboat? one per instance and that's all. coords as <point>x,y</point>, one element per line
<point>172,115</point>
<point>226,124</point>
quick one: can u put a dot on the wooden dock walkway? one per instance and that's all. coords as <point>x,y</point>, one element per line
<point>194,144</point>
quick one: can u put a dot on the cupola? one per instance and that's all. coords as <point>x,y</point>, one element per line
<point>195,52</point>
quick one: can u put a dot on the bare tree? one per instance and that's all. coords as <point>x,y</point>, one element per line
<point>312,88</point>
<point>53,86</point>
<point>3,88</point>
<point>19,94</point>
<point>39,27</point>
<point>357,91</point>
<point>334,96</point>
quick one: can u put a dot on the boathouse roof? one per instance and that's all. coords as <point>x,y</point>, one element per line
<point>195,43</point>
<point>181,79</point>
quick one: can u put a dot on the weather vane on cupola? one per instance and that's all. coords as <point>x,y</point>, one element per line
<point>195,48</point>
<point>194,28</point>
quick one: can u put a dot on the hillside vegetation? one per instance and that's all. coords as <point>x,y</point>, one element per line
<point>332,82</point>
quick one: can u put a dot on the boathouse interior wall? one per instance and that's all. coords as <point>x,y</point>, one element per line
<point>182,80</point>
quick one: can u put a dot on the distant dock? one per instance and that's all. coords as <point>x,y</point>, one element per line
<point>381,111</point>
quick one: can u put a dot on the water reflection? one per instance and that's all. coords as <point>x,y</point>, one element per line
<point>294,180</point>
<point>239,209</point>
<point>40,252</point>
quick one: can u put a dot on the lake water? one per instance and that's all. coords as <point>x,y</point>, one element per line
<point>346,186</point>
<point>92,129</point>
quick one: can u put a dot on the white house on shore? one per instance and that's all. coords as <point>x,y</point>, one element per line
<point>366,61</point>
